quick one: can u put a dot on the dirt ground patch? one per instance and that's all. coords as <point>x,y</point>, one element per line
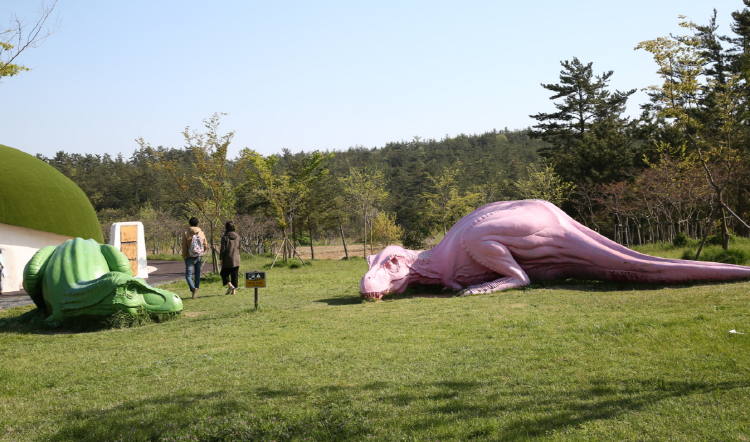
<point>193,314</point>
<point>336,252</point>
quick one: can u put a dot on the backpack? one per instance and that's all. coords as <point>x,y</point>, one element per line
<point>196,246</point>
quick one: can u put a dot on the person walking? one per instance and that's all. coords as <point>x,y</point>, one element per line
<point>229,256</point>
<point>194,245</point>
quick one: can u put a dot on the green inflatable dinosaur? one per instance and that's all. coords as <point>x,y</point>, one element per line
<point>82,277</point>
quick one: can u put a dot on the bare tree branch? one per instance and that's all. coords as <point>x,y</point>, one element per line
<point>18,37</point>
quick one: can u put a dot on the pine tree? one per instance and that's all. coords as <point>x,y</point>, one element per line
<point>589,139</point>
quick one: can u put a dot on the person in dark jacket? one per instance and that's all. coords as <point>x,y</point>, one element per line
<point>230,258</point>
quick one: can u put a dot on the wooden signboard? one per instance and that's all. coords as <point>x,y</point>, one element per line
<point>129,245</point>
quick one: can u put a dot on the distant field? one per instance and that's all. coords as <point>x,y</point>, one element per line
<point>558,361</point>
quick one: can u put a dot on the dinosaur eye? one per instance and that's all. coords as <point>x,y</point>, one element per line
<point>392,263</point>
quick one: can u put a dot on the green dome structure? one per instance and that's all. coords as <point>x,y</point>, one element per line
<point>37,196</point>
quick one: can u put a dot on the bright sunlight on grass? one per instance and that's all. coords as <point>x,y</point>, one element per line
<point>563,360</point>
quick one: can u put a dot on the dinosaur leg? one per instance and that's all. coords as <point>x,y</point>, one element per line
<point>482,243</point>
<point>492,286</point>
<point>33,273</point>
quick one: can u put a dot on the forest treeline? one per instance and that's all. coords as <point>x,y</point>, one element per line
<point>486,167</point>
<point>679,169</point>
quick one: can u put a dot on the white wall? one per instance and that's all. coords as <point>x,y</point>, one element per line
<point>19,244</point>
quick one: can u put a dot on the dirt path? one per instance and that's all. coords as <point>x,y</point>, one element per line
<point>336,252</point>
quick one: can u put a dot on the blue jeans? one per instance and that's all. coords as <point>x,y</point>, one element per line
<point>193,267</point>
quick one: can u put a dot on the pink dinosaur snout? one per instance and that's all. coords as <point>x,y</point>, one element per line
<point>369,289</point>
<point>388,273</point>
<point>373,296</point>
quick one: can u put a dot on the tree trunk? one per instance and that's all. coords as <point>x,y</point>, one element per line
<point>650,230</point>
<point>312,249</point>
<point>364,249</point>
<point>343,240</point>
<point>284,246</point>
<point>294,236</point>
<point>618,229</point>
<point>705,234</point>
<point>638,230</point>
<point>742,230</point>
<point>626,229</point>
<point>724,229</point>
<point>214,261</point>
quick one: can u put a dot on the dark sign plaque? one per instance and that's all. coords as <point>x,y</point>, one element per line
<point>255,279</point>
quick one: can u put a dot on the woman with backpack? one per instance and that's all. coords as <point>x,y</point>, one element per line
<point>193,247</point>
<point>229,256</point>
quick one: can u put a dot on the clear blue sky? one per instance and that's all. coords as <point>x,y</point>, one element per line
<point>316,75</point>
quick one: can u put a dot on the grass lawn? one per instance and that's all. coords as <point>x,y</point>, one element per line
<point>563,360</point>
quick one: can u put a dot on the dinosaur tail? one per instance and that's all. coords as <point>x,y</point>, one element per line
<point>620,263</point>
<point>660,270</point>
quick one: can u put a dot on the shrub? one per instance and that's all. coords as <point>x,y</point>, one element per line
<point>304,239</point>
<point>164,257</point>
<point>210,277</point>
<point>245,257</point>
<point>291,263</point>
<point>730,256</point>
<point>413,240</point>
<point>122,319</point>
<point>688,255</point>
<point>680,240</point>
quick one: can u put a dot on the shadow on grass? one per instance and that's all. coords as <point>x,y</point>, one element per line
<point>568,284</point>
<point>342,300</point>
<point>430,292</point>
<point>32,322</point>
<point>586,285</point>
<point>459,410</point>
<point>209,417</point>
<point>592,285</point>
<point>539,414</point>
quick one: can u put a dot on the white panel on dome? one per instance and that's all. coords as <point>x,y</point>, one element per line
<point>19,244</point>
<point>115,233</point>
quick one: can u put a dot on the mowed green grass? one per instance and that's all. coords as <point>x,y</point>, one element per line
<point>563,360</point>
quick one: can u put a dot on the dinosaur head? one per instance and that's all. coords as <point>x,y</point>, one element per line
<point>388,274</point>
<point>132,293</point>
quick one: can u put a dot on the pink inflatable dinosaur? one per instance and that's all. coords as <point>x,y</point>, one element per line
<point>502,245</point>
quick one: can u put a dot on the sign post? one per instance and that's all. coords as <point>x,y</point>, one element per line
<point>255,280</point>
